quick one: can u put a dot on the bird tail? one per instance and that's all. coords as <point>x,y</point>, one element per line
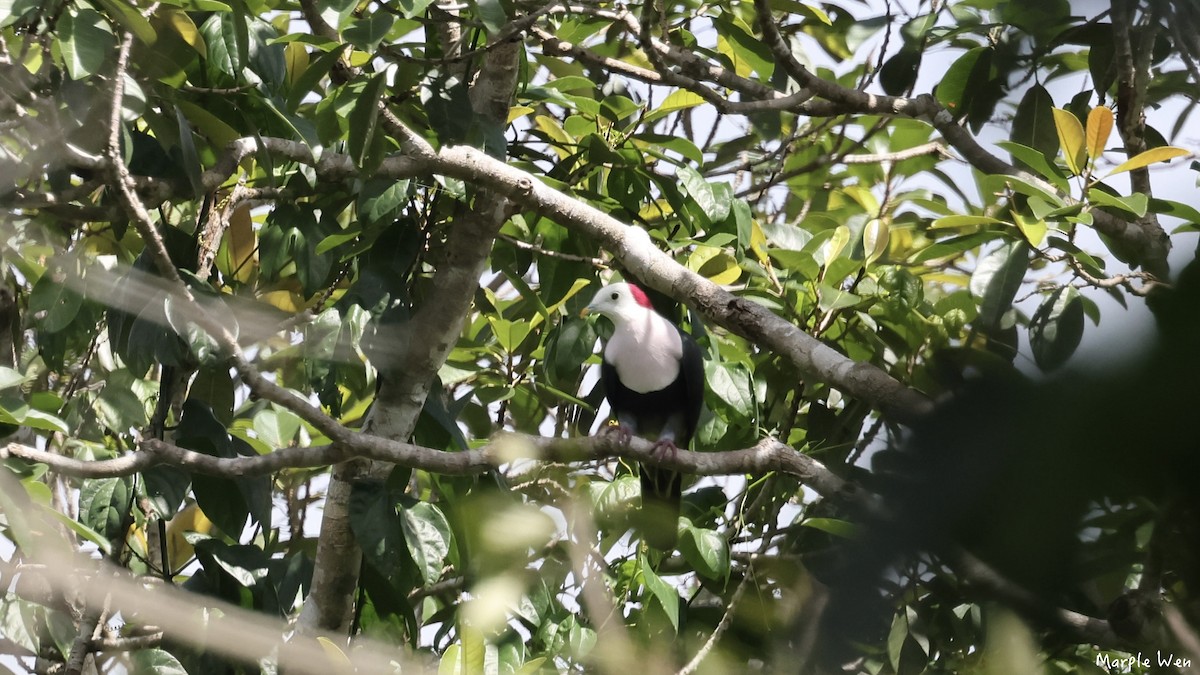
<point>661,499</point>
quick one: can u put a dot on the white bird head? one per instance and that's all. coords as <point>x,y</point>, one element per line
<point>621,302</point>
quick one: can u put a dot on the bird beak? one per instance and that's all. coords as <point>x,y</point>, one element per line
<point>585,311</point>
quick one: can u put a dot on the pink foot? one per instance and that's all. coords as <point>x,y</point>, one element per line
<point>665,448</point>
<point>621,432</point>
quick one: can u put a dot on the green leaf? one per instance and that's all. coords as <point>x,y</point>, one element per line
<point>1056,328</point>
<point>834,526</point>
<point>380,200</point>
<point>366,34</point>
<point>427,536</point>
<point>277,427</point>
<point>1136,203</point>
<point>377,529</point>
<point>16,411</point>
<point>119,409</point>
<point>1036,162</point>
<point>191,159</point>
<point>965,221</point>
<point>52,303</point>
<point>245,563</point>
<point>997,182</point>
<point>831,299</point>
<point>104,503</point>
<point>491,13</point>
<point>82,530</point>
<point>1033,127</point>
<point>157,661</point>
<point>713,203</point>
<point>954,246</point>
<point>1070,139</point>
<point>131,19</point>
<point>86,41</point>
<point>662,592</point>
<point>1152,156</point>
<point>11,378</point>
<point>731,383</point>
<point>510,334</point>
<point>957,86</point>
<point>364,119</point>
<point>996,280</point>
<point>1176,209</point>
<point>705,550</point>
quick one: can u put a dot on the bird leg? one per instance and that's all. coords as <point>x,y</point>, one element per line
<point>622,432</point>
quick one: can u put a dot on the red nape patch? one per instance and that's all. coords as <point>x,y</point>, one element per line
<point>640,297</point>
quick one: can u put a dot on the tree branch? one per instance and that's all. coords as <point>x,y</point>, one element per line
<point>766,456</point>
<point>1147,245</point>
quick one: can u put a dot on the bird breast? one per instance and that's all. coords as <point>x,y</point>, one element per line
<point>646,353</point>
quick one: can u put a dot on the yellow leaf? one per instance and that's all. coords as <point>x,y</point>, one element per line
<point>714,263</point>
<point>337,658</point>
<point>1160,154</point>
<point>758,242</point>
<point>678,100</point>
<point>1071,139</point>
<point>241,243</point>
<point>190,519</point>
<point>518,111</point>
<point>183,24</point>
<point>1034,229</point>
<point>1099,127</point>
<point>564,144</point>
<point>214,128</point>
<point>833,247</point>
<point>656,211</point>
<point>740,65</point>
<point>296,58</point>
<point>288,301</point>
<point>876,236</point>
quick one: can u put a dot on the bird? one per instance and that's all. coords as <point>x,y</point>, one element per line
<point>652,373</point>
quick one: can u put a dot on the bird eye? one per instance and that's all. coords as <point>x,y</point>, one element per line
<point>614,295</point>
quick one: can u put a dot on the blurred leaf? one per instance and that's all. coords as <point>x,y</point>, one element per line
<point>996,280</point>
<point>662,592</point>
<point>104,504</point>
<point>838,528</point>
<point>705,550</point>
<point>427,536</point>
<point>86,41</point>
<point>157,661</point>
<point>364,119</point>
<point>1056,328</point>
<point>377,528</point>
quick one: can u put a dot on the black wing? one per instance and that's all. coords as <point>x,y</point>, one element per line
<point>691,370</point>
